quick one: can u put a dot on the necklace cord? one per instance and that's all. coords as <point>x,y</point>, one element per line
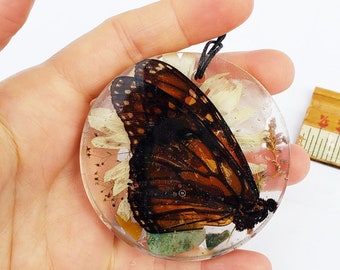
<point>207,56</point>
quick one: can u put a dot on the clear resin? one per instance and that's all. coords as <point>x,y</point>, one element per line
<point>184,170</point>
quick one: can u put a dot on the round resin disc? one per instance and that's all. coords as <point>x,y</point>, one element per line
<point>181,168</point>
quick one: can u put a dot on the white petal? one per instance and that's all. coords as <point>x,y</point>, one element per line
<point>239,116</point>
<point>119,174</point>
<point>116,141</point>
<point>257,168</point>
<point>185,62</point>
<point>250,142</point>
<point>105,120</point>
<point>224,94</point>
<point>124,210</point>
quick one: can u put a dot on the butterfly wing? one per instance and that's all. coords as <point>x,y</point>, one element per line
<point>187,169</point>
<point>179,87</point>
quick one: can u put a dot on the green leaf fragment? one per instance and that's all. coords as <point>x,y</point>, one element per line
<point>168,244</point>
<point>214,239</point>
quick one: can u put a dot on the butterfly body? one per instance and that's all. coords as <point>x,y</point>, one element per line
<point>187,169</point>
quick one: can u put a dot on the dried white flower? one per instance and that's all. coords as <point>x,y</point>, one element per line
<point>124,210</point>
<point>185,62</point>
<point>257,168</point>
<point>108,122</point>
<point>119,174</point>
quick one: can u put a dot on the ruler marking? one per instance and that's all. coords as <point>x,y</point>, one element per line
<point>311,136</point>
<point>306,138</point>
<point>318,144</point>
<point>335,146</point>
<point>324,150</point>
<point>337,156</point>
<point>316,140</point>
<point>302,138</point>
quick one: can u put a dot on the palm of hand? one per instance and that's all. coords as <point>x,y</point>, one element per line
<point>46,220</point>
<point>50,221</point>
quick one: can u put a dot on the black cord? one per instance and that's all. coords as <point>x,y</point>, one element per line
<point>207,56</point>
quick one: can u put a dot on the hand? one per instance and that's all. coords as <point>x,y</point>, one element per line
<point>46,220</point>
<point>13,14</point>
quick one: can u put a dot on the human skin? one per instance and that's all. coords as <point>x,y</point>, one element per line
<point>46,221</point>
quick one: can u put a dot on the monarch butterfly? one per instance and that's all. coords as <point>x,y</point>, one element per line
<point>187,169</point>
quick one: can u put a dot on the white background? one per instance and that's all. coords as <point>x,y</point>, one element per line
<point>305,231</point>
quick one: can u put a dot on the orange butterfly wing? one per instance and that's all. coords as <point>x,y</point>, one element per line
<point>187,168</point>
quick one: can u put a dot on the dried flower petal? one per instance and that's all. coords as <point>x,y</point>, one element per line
<point>116,141</point>
<point>105,120</point>
<point>120,175</point>
<point>257,168</point>
<point>251,142</point>
<point>124,210</point>
<point>183,62</point>
<point>108,122</point>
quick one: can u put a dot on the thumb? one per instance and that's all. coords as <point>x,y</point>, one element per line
<point>13,15</point>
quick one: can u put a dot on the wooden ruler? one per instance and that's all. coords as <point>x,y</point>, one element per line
<point>320,131</point>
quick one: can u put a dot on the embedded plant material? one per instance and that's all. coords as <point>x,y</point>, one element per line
<point>274,143</point>
<point>178,163</point>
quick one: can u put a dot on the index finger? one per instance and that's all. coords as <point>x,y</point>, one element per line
<point>165,26</point>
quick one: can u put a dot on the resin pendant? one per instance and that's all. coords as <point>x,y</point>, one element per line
<point>184,169</point>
